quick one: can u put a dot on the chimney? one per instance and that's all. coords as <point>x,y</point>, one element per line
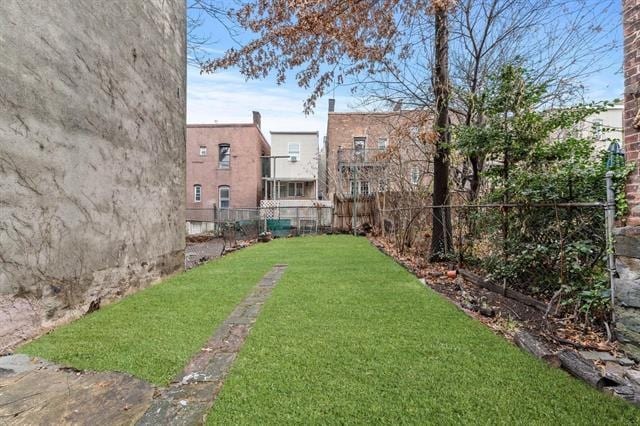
<point>257,120</point>
<point>332,105</point>
<point>397,106</point>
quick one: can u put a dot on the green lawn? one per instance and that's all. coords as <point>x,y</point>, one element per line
<point>153,333</point>
<point>347,336</point>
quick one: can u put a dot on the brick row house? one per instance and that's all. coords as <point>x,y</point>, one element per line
<point>372,152</point>
<point>376,161</point>
<point>224,165</point>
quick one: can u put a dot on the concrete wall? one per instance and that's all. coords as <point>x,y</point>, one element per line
<point>92,140</point>
<point>627,239</point>
<point>244,175</point>
<point>611,127</point>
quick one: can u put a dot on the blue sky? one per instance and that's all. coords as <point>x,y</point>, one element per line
<point>226,96</point>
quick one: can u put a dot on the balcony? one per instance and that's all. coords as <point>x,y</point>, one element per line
<point>360,157</point>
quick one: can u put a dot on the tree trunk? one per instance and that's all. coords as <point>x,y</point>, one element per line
<point>441,246</point>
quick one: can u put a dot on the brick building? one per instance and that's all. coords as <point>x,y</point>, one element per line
<point>627,238</point>
<point>369,152</point>
<point>224,168</point>
<point>632,101</point>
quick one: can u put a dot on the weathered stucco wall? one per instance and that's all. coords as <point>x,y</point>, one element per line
<point>92,140</point>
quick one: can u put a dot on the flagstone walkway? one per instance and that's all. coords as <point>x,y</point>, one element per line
<point>33,391</point>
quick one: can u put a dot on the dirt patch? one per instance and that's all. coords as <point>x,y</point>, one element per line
<point>201,238</point>
<point>196,253</point>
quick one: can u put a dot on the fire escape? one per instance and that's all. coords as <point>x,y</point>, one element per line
<point>360,170</point>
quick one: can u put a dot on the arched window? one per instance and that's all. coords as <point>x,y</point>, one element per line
<point>224,197</point>
<point>197,193</point>
<point>224,156</point>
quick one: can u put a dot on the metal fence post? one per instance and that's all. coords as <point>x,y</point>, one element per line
<point>443,218</point>
<point>610,216</point>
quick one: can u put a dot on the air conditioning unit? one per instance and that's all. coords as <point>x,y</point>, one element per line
<point>293,159</point>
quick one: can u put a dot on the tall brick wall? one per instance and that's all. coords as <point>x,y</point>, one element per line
<point>92,145</point>
<point>627,239</point>
<point>631,16</point>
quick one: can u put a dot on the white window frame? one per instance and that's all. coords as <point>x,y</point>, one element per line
<point>221,198</point>
<point>294,151</point>
<point>415,175</point>
<point>359,186</point>
<point>359,143</point>
<point>359,148</point>
<point>383,143</point>
<point>363,187</point>
<point>197,193</point>
<point>226,164</point>
<point>296,186</point>
<point>598,125</point>
<point>203,150</point>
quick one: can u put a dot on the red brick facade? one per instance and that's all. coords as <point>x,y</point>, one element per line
<point>243,174</point>
<point>395,128</point>
<point>631,20</point>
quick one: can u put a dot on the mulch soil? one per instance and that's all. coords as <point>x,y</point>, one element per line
<point>508,315</point>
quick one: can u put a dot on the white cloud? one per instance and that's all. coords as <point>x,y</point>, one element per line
<point>226,97</point>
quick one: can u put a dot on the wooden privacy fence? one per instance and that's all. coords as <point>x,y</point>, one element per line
<point>364,210</point>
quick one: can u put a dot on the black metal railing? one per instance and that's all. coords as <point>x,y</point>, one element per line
<point>360,156</point>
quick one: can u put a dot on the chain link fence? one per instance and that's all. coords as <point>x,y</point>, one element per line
<point>545,250</point>
<point>251,223</point>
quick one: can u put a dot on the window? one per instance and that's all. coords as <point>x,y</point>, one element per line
<point>224,197</point>
<point>203,151</point>
<point>197,193</point>
<point>382,143</point>
<point>296,189</point>
<point>383,184</point>
<point>415,175</point>
<point>359,144</point>
<point>224,156</point>
<point>359,187</point>
<point>364,187</point>
<point>597,128</point>
<point>294,151</point>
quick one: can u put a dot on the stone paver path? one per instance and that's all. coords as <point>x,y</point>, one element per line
<point>33,391</point>
<point>189,399</point>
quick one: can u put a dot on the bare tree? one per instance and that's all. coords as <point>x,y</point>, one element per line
<point>559,42</point>
<point>392,50</point>
<point>199,41</point>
